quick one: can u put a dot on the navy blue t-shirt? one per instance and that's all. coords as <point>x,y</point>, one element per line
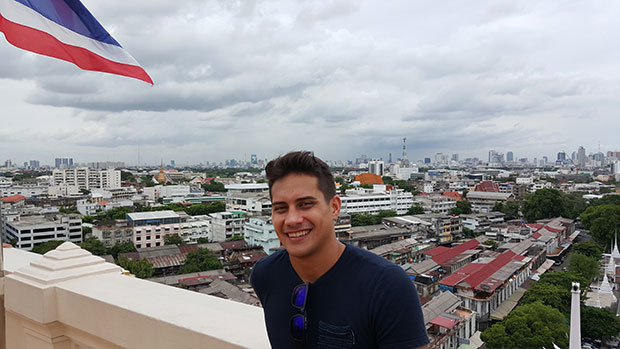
<point>363,301</point>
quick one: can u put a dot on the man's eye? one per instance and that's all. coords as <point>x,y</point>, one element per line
<point>279,209</point>
<point>306,204</point>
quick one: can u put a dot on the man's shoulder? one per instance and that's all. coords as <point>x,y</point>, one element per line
<point>274,260</point>
<point>368,259</point>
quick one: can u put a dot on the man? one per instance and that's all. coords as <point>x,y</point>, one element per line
<point>318,292</point>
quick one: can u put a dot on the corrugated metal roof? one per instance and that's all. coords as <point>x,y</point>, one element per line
<point>443,322</point>
<point>167,261</point>
<point>152,215</point>
<point>454,251</point>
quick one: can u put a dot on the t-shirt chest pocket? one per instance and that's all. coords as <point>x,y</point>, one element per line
<point>336,337</point>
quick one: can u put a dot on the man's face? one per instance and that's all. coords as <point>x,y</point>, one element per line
<point>302,218</point>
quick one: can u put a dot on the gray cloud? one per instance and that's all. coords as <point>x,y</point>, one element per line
<point>339,77</point>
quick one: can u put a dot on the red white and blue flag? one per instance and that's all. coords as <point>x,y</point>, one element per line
<point>66,30</point>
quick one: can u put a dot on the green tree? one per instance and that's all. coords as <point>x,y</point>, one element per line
<point>202,241</point>
<point>532,325</point>
<point>494,245</point>
<point>602,221</point>
<point>147,181</point>
<point>588,248</point>
<point>468,233</point>
<point>87,219</point>
<point>214,187</point>
<point>360,219</point>
<point>115,213</point>
<point>339,179</point>
<point>142,269</point>
<point>94,246</point>
<point>122,247</point>
<point>413,210</point>
<point>84,191</point>
<point>173,239</point>
<point>127,176</point>
<point>584,265</point>
<point>387,213</point>
<point>599,323</point>
<point>512,209</point>
<point>576,205</point>
<point>545,203</point>
<point>548,294</point>
<point>204,209</point>
<point>200,260</point>
<point>69,210</point>
<point>564,280</point>
<point>86,232</point>
<point>462,207</point>
<point>606,200</point>
<point>47,246</point>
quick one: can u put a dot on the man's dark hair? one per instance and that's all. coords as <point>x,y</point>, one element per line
<point>302,162</point>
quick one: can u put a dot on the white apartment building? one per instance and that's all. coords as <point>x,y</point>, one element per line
<point>86,178</point>
<point>166,191</point>
<point>225,225</point>
<point>259,231</point>
<point>122,193</point>
<point>149,228</point>
<point>253,203</point>
<point>233,189</point>
<point>112,233</point>
<point>483,202</point>
<point>5,182</point>
<point>376,167</point>
<point>29,231</point>
<point>63,190</point>
<point>435,203</point>
<point>374,200</point>
<point>25,190</point>
<point>197,227</point>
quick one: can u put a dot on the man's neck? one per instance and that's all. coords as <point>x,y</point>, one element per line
<point>311,269</point>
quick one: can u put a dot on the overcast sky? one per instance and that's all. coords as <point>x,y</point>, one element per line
<point>341,78</point>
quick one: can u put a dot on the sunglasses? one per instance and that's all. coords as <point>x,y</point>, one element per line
<point>298,321</point>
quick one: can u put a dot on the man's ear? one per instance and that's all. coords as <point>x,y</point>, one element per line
<point>335,203</point>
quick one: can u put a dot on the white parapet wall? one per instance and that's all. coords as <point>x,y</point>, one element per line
<point>69,298</point>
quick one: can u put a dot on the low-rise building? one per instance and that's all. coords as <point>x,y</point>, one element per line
<point>225,225</point>
<point>113,232</point>
<point>149,228</point>
<point>259,231</point>
<point>28,231</point>
<point>435,203</point>
<point>373,236</point>
<point>372,201</point>
<point>484,202</point>
<point>448,325</point>
<point>196,227</point>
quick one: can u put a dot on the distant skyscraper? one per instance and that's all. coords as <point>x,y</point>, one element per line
<point>427,160</point>
<point>34,164</point>
<point>63,162</point>
<point>455,157</point>
<point>509,156</point>
<point>390,158</point>
<point>581,156</point>
<point>376,167</point>
<point>561,156</point>
<point>254,159</point>
<point>172,163</point>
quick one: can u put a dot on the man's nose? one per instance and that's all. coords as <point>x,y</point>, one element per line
<point>293,218</point>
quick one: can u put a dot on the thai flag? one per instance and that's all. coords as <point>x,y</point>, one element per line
<point>66,30</point>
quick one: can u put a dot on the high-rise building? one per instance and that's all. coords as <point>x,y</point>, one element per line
<point>427,160</point>
<point>172,163</point>
<point>376,167</point>
<point>561,156</point>
<point>455,157</point>
<point>509,156</point>
<point>254,159</point>
<point>34,164</point>
<point>85,178</point>
<point>63,162</point>
<point>581,157</point>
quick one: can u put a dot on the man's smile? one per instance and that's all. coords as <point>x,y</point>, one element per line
<point>298,233</point>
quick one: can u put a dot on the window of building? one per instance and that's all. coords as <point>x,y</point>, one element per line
<point>148,245</point>
<point>157,244</point>
<point>138,238</point>
<point>157,236</point>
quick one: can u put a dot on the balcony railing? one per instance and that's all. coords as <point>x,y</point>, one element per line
<point>69,298</point>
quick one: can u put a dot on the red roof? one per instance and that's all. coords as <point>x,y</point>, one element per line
<point>453,195</point>
<point>13,199</point>
<point>488,186</point>
<point>185,249</point>
<point>555,230</point>
<point>536,235</point>
<point>436,250</point>
<point>452,280</point>
<point>443,322</point>
<point>369,178</point>
<point>455,251</point>
<point>490,268</point>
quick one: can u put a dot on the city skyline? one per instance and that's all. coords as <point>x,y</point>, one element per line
<point>339,78</point>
